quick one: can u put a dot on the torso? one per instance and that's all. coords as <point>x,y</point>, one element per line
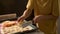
<point>42,7</point>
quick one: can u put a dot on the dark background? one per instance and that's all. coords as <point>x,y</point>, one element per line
<point>14,6</point>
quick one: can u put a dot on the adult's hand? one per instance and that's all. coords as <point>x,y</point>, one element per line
<point>41,18</point>
<point>20,19</point>
<point>38,18</point>
<point>35,19</point>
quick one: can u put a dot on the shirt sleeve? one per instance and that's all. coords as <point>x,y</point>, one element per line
<point>30,4</point>
<point>55,8</point>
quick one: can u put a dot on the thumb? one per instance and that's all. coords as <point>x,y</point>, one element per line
<point>20,19</point>
<point>34,21</point>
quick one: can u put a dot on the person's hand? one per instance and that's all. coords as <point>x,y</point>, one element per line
<point>20,19</point>
<point>38,18</point>
<point>35,19</point>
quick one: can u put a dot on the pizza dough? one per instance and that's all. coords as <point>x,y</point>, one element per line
<point>8,23</point>
<point>14,28</point>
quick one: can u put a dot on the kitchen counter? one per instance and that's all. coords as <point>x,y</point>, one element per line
<point>7,16</point>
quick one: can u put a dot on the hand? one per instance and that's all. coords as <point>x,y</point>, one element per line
<point>20,18</point>
<point>38,18</point>
<point>35,19</point>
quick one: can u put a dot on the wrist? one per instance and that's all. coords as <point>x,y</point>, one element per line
<point>24,17</point>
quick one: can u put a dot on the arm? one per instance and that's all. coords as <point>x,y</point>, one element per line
<point>55,10</point>
<point>54,14</point>
<point>28,11</point>
<point>29,7</point>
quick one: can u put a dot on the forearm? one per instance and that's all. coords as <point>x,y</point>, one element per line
<point>48,17</point>
<point>51,17</point>
<point>40,18</point>
<point>27,13</point>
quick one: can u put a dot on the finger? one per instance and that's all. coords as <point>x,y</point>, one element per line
<point>34,21</point>
<point>19,19</point>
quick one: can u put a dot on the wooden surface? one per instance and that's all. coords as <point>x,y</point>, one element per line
<point>7,16</point>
